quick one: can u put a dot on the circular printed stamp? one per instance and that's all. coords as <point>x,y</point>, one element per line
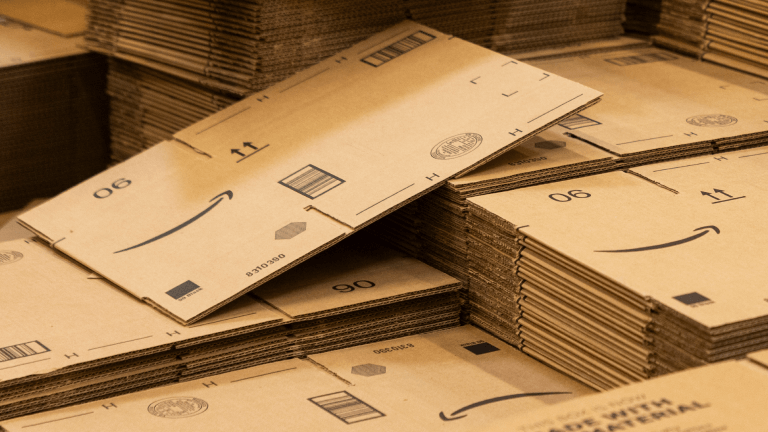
<point>177,407</point>
<point>712,120</point>
<point>9,257</point>
<point>456,146</point>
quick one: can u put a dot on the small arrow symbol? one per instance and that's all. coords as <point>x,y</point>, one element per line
<point>249,144</point>
<point>722,192</point>
<point>546,75</point>
<point>473,81</point>
<point>710,195</point>
<point>233,151</point>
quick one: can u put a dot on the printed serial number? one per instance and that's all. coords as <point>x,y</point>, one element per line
<point>394,348</point>
<point>263,266</point>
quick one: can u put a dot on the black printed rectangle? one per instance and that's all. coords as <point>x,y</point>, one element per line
<point>641,59</point>
<point>311,181</point>
<point>398,48</point>
<point>691,298</point>
<point>21,350</point>
<point>578,121</point>
<point>346,407</point>
<point>481,348</point>
<point>182,290</point>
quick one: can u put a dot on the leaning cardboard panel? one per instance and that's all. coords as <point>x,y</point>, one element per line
<point>299,394</point>
<point>64,319</point>
<point>262,185</point>
<point>725,396</point>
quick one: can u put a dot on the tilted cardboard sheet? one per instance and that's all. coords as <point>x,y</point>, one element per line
<point>725,396</point>
<point>22,45</point>
<point>62,320</point>
<point>552,150</point>
<point>657,100</point>
<point>61,17</point>
<point>89,322</point>
<point>362,276</point>
<point>277,177</point>
<point>474,378</point>
<point>664,245</point>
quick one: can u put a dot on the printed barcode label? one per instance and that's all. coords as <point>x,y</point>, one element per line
<point>346,407</point>
<point>641,58</point>
<point>26,349</point>
<point>578,121</point>
<point>398,48</point>
<point>311,181</point>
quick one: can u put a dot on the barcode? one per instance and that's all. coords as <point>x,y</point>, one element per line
<point>26,349</point>
<point>346,407</point>
<point>311,181</point>
<point>578,121</point>
<point>641,58</point>
<point>398,48</point>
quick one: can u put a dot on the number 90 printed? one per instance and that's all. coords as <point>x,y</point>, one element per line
<point>263,266</point>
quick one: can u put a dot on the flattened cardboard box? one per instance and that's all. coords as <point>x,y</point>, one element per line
<point>724,396</point>
<point>302,394</point>
<point>81,344</point>
<point>662,102</point>
<point>266,183</point>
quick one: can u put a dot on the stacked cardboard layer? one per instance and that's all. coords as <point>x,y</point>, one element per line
<point>148,106</point>
<point>238,47</point>
<point>202,57</point>
<point>246,46</point>
<point>647,115</point>
<point>53,114</point>
<point>623,276</point>
<point>82,350</point>
<point>434,228</point>
<point>274,179</point>
<point>726,396</point>
<point>462,376</point>
<point>729,32</point>
<point>529,25</point>
<point>697,107</point>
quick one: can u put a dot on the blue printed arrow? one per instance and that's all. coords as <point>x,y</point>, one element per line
<point>173,230</point>
<point>670,244</point>
<point>494,400</point>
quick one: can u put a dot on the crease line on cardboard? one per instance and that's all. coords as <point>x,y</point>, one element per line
<point>309,208</point>
<point>119,343</point>
<point>328,371</point>
<point>223,120</point>
<point>196,150</point>
<point>652,181</point>
<point>51,421</point>
<point>265,374</point>
<point>379,202</point>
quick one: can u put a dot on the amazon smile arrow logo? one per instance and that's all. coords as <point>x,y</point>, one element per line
<point>670,244</point>
<point>220,197</point>
<point>493,400</point>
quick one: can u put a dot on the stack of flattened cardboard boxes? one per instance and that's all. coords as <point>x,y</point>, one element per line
<point>460,378</point>
<point>53,114</point>
<point>623,276</point>
<point>83,350</point>
<point>648,115</point>
<point>230,204</point>
<point>174,63</point>
<point>728,32</point>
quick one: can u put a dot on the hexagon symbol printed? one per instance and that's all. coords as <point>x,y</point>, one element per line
<point>290,231</point>
<point>369,370</point>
